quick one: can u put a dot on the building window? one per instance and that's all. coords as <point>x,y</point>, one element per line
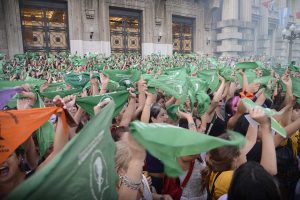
<point>125,30</point>
<point>182,29</point>
<point>44,26</point>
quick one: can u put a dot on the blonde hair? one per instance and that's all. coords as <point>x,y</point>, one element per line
<point>123,156</point>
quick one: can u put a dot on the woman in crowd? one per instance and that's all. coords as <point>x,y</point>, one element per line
<point>252,182</point>
<point>224,171</point>
<point>222,162</point>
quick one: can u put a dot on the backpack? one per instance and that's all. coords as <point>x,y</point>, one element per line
<point>172,185</point>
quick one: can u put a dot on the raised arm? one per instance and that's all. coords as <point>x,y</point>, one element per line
<point>206,117</point>
<point>245,81</point>
<point>290,130</point>
<point>286,79</point>
<point>251,137</point>
<point>94,85</point>
<point>141,85</point>
<point>129,111</point>
<point>241,109</point>
<point>60,139</point>
<point>268,156</point>
<point>189,118</point>
<point>135,168</point>
<point>31,154</point>
<point>151,98</point>
<point>171,101</point>
<point>261,98</point>
<point>104,83</point>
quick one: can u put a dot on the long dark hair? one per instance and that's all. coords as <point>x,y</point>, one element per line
<point>252,182</point>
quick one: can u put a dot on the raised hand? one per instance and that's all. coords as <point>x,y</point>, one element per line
<point>44,86</point>
<point>104,79</point>
<point>131,92</point>
<point>69,101</point>
<point>259,116</point>
<point>101,105</point>
<point>30,96</point>
<point>221,78</point>
<point>84,93</point>
<point>184,115</point>
<point>241,109</point>
<point>138,151</point>
<point>151,97</point>
<point>23,104</point>
<point>286,79</point>
<point>26,87</point>
<point>253,87</point>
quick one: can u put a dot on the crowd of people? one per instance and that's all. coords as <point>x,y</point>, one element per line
<point>199,95</point>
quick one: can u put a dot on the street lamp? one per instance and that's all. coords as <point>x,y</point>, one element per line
<point>291,33</point>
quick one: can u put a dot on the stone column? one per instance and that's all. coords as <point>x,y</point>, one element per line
<point>230,9</point>
<point>3,40</point>
<point>200,35</point>
<point>13,27</point>
<point>263,41</point>
<point>150,29</point>
<point>246,18</point>
<point>104,27</point>
<point>230,33</point>
<point>255,41</point>
<point>75,26</point>
<point>281,46</point>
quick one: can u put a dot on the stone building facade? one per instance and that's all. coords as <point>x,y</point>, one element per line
<point>215,27</point>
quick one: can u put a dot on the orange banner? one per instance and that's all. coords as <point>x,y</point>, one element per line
<point>16,126</point>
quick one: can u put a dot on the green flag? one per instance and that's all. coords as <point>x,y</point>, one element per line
<point>274,124</point>
<point>296,86</point>
<point>156,138</point>
<point>121,76</point>
<point>45,137</point>
<point>56,87</point>
<point>264,80</point>
<point>246,65</point>
<point>84,169</point>
<point>203,101</point>
<point>77,80</point>
<point>173,109</point>
<point>174,85</point>
<point>45,134</point>
<point>32,81</point>
<point>226,72</point>
<point>250,74</point>
<point>88,103</point>
<point>211,77</point>
<point>61,93</point>
<point>293,68</point>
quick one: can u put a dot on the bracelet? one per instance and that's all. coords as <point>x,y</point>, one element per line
<point>129,183</point>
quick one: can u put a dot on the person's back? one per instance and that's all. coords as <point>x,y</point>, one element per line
<point>192,190</point>
<point>252,182</point>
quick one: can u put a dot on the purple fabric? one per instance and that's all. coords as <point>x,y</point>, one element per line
<point>7,94</point>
